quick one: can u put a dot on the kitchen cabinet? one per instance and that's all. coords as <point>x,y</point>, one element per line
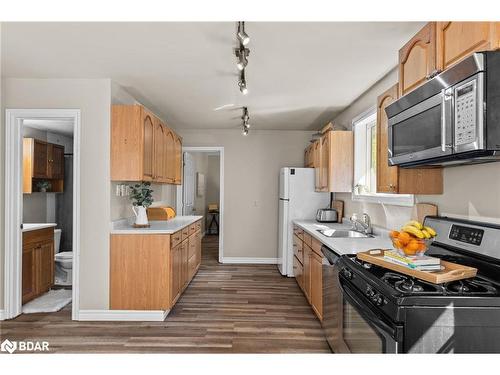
<point>417,59</point>
<point>42,161</point>
<point>151,271</point>
<point>336,162</point>
<point>143,147</point>
<point>37,263</point>
<point>457,40</point>
<point>178,160</point>
<point>317,164</point>
<point>309,156</point>
<point>393,179</point>
<point>307,268</point>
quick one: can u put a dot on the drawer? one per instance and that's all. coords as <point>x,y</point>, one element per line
<point>299,232</point>
<point>192,229</point>
<point>316,247</point>
<point>298,248</point>
<point>198,225</point>
<point>39,235</point>
<point>185,232</point>
<point>307,239</point>
<point>192,246</point>
<point>298,272</point>
<point>175,239</point>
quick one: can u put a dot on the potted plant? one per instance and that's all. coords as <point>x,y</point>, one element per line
<point>142,198</point>
<point>43,186</point>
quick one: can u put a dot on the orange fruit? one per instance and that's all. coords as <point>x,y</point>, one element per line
<point>421,246</point>
<point>404,237</point>
<point>397,244</point>
<point>393,234</point>
<point>413,245</point>
<point>409,250</point>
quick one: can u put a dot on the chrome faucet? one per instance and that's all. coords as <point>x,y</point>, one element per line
<point>364,223</point>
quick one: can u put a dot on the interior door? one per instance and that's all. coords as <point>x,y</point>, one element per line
<point>188,187</point>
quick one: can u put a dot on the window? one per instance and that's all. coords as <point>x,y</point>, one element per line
<point>365,163</point>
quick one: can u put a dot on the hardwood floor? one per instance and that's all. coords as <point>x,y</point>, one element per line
<point>225,309</point>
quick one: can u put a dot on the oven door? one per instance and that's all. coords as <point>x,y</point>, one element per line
<point>423,131</point>
<point>366,330</point>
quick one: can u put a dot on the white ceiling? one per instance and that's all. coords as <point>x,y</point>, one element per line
<point>64,127</point>
<point>300,75</point>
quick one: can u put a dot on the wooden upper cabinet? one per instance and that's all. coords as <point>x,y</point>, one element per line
<point>56,161</point>
<point>392,179</point>
<point>457,40</point>
<point>336,162</point>
<point>148,146</point>
<point>387,176</point>
<point>40,159</point>
<point>317,164</point>
<point>142,146</point>
<point>178,160</point>
<point>417,59</point>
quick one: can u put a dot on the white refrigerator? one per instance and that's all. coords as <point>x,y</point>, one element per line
<point>297,200</point>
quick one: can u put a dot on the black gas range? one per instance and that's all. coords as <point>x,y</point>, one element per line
<point>398,313</point>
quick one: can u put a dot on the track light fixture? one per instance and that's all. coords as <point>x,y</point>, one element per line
<point>245,117</point>
<point>243,83</point>
<point>242,54</point>
<point>241,34</point>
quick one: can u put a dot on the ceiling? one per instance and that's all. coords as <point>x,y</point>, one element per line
<point>300,75</point>
<point>64,127</point>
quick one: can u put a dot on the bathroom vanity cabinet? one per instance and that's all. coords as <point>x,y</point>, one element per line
<point>37,263</point>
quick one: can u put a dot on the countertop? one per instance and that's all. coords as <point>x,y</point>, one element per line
<point>346,245</point>
<point>36,226</point>
<point>124,226</point>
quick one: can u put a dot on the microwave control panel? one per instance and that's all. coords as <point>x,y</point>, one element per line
<point>465,113</point>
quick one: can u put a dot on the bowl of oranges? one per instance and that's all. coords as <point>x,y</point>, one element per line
<point>413,238</point>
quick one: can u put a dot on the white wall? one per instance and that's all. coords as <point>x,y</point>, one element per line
<point>2,174</point>
<point>251,172</point>
<point>93,98</point>
<point>469,191</point>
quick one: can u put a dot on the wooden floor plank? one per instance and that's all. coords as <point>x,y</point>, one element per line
<point>226,309</point>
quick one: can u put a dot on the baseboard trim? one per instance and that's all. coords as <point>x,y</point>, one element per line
<point>2,314</point>
<point>247,260</point>
<point>123,315</point>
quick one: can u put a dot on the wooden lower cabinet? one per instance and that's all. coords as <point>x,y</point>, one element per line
<point>150,271</point>
<point>308,270</point>
<point>37,263</point>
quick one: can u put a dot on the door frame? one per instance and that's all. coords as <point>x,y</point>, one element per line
<point>179,191</point>
<point>14,205</point>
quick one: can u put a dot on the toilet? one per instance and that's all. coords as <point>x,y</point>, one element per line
<point>63,260</point>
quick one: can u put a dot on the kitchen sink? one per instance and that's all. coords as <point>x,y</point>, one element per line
<point>342,233</point>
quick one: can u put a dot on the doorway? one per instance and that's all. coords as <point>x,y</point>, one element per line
<point>202,193</point>
<point>42,170</point>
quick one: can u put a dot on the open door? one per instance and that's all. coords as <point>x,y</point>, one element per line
<point>188,186</point>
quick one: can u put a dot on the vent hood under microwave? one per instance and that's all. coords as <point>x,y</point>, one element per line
<point>452,119</point>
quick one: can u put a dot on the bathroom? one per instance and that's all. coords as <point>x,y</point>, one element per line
<point>47,209</point>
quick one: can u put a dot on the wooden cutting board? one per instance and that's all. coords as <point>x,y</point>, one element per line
<point>451,271</point>
<point>339,206</point>
<point>421,210</point>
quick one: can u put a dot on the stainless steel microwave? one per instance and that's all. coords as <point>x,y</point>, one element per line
<point>452,119</point>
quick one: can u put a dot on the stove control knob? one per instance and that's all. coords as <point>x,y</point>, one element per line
<point>379,301</point>
<point>369,292</point>
<point>347,274</point>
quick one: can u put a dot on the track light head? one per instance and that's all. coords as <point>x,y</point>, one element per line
<point>243,83</point>
<point>242,55</point>
<point>245,131</point>
<point>242,35</point>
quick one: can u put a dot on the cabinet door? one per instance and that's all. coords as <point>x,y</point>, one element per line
<point>170,150</point>
<point>317,284</point>
<point>148,145</point>
<point>184,266</point>
<point>417,59</point>
<point>307,272</point>
<point>298,272</point>
<point>178,160</point>
<point>29,273</point>
<point>387,177</point>
<point>317,164</point>
<point>45,266</point>
<point>457,40</point>
<point>198,249</point>
<point>159,159</point>
<point>176,273</point>
<point>56,161</point>
<point>325,162</point>
<point>40,159</point>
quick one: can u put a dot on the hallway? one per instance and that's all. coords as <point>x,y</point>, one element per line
<point>225,309</point>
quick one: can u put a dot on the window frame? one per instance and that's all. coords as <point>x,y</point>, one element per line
<point>381,198</point>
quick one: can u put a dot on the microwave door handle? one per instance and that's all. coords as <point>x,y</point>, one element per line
<point>443,120</point>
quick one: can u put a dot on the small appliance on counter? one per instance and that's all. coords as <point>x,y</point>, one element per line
<point>328,214</point>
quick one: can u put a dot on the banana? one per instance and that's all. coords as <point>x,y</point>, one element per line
<point>414,223</point>
<point>426,234</point>
<point>431,231</point>
<point>413,230</point>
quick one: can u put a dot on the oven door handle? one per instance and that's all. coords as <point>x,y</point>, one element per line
<point>393,330</point>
